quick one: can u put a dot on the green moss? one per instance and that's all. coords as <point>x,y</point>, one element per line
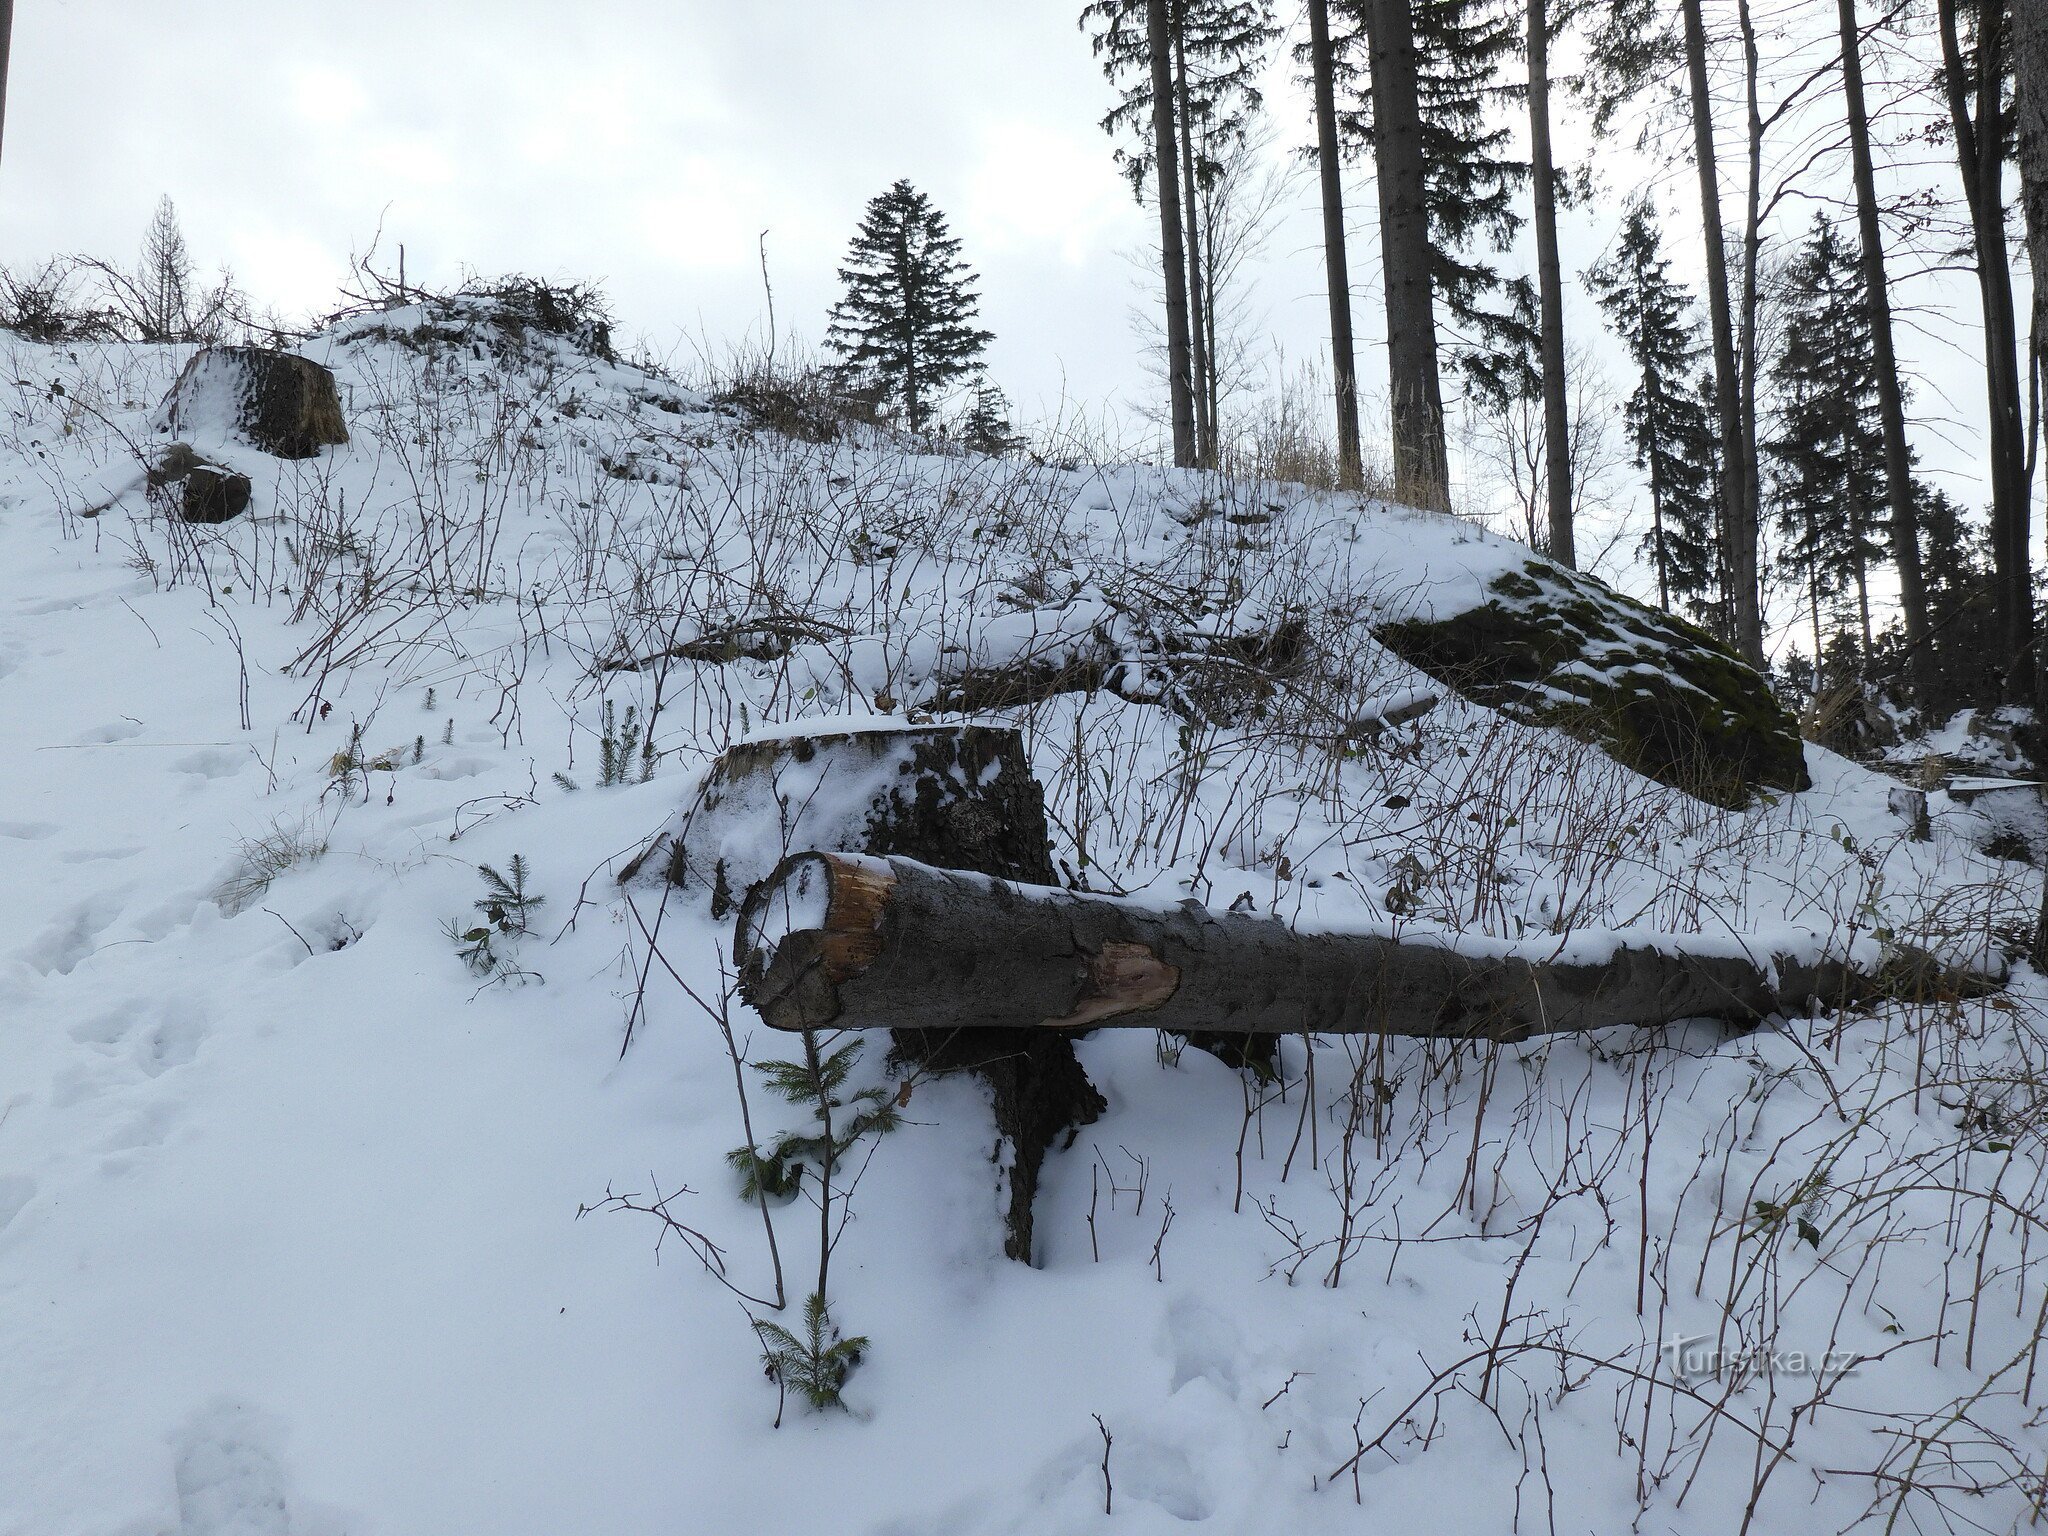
<point>1666,698</point>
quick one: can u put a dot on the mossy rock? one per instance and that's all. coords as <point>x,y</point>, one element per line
<point>1656,693</point>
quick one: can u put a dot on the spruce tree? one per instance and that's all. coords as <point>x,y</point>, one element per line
<point>1472,176</point>
<point>1827,471</point>
<point>905,323</point>
<point>1963,629</point>
<point>1669,422</point>
<point>986,426</point>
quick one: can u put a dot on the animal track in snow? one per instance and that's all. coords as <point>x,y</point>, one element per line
<point>16,1190</point>
<point>102,735</point>
<point>229,1481</point>
<point>28,831</point>
<point>71,938</point>
<point>214,763</point>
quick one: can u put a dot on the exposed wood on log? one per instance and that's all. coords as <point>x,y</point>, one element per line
<point>884,942</point>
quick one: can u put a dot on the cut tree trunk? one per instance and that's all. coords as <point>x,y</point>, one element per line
<point>955,796</point>
<point>863,943</point>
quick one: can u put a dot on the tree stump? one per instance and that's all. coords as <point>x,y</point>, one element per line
<point>952,796</point>
<point>282,403</point>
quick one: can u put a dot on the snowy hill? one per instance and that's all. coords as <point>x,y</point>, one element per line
<point>289,1194</point>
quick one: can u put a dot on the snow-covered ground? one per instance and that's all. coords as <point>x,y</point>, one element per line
<point>289,1195</point>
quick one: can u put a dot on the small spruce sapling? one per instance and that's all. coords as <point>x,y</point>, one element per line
<point>815,1366</point>
<point>624,752</point>
<point>778,1171</point>
<point>507,907</point>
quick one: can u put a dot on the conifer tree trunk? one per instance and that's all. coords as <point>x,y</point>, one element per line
<point>1421,463</point>
<point>1980,158</point>
<point>1557,466</point>
<point>1172,246</point>
<point>2030,65</point>
<point>1738,539</point>
<point>1201,365</point>
<point>1336,263</point>
<point>6,46</point>
<point>1898,458</point>
<point>1750,533</point>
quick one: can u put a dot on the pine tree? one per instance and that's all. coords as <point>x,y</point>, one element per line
<point>1668,420</point>
<point>905,322</point>
<point>1827,477</point>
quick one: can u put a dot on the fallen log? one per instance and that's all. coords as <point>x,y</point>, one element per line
<point>855,942</point>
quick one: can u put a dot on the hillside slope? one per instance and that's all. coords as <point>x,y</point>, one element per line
<point>289,1194</point>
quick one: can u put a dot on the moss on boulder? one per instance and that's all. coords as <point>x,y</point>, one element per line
<point>1656,693</point>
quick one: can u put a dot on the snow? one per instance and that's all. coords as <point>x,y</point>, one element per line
<point>289,1197</point>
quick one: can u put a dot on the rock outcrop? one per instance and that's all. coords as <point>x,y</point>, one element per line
<point>1659,695</point>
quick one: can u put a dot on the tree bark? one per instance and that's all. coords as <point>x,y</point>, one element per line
<point>856,943</point>
<point>959,797</point>
<point>1336,261</point>
<point>1749,534</point>
<point>1981,161</point>
<point>1738,541</point>
<point>1557,441</point>
<point>1201,364</point>
<point>1172,244</point>
<point>1898,457</point>
<point>1422,473</point>
<point>2030,65</point>
<point>6,47</point>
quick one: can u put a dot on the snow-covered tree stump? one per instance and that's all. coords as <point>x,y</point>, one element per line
<point>282,403</point>
<point>954,796</point>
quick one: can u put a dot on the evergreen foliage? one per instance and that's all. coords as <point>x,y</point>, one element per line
<point>163,279</point>
<point>905,323</point>
<point>1669,417</point>
<point>986,426</point>
<point>1826,455</point>
<point>815,1366</point>
<point>1220,46</point>
<point>506,904</point>
<point>779,1171</point>
<point>1473,179</point>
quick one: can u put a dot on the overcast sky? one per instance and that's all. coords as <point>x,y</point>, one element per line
<point>647,143</point>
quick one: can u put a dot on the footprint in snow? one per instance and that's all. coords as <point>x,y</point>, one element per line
<point>229,1480</point>
<point>101,735</point>
<point>214,763</point>
<point>16,1190</point>
<point>28,831</point>
<point>73,936</point>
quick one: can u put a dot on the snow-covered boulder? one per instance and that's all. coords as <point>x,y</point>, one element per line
<point>1654,692</point>
<point>214,494</point>
<point>279,402</point>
